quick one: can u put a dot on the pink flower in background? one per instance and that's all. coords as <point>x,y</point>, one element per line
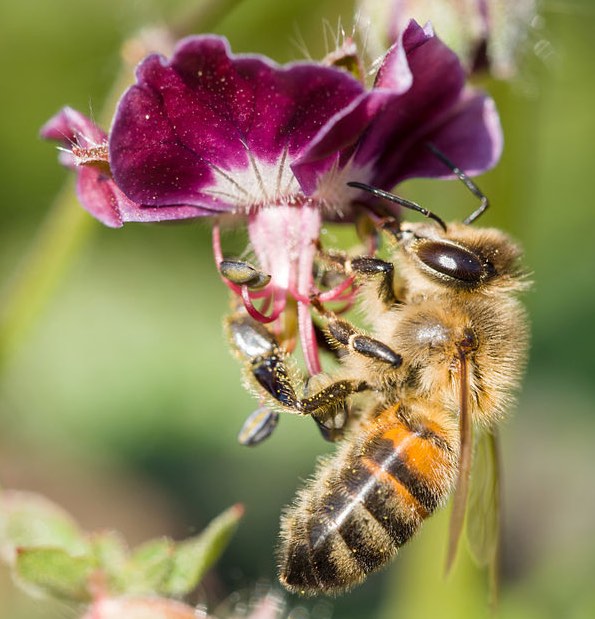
<point>211,133</point>
<point>488,35</point>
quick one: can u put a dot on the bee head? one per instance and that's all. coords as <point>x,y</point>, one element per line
<point>461,257</point>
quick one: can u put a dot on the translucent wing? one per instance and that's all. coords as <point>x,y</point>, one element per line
<point>459,502</point>
<point>484,507</point>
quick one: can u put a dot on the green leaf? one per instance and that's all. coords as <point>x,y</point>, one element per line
<point>111,556</point>
<point>30,520</point>
<point>54,572</point>
<point>193,557</point>
<point>149,566</point>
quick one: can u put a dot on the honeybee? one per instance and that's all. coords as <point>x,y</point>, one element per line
<point>445,352</point>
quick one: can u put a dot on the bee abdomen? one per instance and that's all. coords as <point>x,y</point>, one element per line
<point>367,503</point>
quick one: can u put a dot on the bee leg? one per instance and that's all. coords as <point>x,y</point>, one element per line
<point>258,426</point>
<point>330,397</point>
<point>343,333</point>
<point>267,370</point>
<point>322,340</point>
<point>333,426</point>
<point>331,421</point>
<point>262,357</point>
<point>366,268</point>
<point>346,334</point>
<point>374,269</point>
<point>273,377</point>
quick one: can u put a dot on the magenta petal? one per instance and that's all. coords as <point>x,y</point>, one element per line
<point>189,123</point>
<point>101,197</point>
<point>96,189</point>
<point>69,126</point>
<point>418,97</point>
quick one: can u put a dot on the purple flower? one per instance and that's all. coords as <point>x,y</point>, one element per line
<point>212,133</point>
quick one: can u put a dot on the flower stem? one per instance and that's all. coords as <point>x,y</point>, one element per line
<point>202,16</point>
<point>59,239</point>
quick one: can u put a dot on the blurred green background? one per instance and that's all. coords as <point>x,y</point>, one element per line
<point>121,402</point>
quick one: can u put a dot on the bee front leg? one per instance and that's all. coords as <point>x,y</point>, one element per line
<point>371,271</point>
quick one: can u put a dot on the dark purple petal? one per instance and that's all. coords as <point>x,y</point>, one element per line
<point>418,97</point>
<point>438,80</point>
<point>394,72</point>
<point>195,120</point>
<point>100,196</point>
<point>333,145</point>
<point>469,134</point>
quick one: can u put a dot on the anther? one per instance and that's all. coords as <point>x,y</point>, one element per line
<point>243,274</point>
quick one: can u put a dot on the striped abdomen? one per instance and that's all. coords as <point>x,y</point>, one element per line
<point>364,503</point>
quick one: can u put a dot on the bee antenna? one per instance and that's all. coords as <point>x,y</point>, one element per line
<point>471,186</point>
<point>379,193</point>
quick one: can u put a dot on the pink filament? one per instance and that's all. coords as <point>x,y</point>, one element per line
<point>253,294</point>
<point>278,307</point>
<point>308,339</point>
<point>335,293</point>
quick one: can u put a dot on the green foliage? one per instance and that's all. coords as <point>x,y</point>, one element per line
<point>193,557</point>
<point>29,520</point>
<point>54,571</point>
<point>49,554</point>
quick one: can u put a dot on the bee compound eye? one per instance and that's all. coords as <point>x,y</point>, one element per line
<point>451,260</point>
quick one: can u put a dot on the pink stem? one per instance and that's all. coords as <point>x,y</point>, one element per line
<point>348,296</point>
<point>300,298</point>
<point>266,303</point>
<point>308,339</point>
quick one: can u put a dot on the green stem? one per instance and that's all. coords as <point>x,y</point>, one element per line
<point>202,16</point>
<point>59,239</point>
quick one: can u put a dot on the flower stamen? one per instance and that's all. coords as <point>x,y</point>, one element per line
<point>278,306</point>
<point>257,173</point>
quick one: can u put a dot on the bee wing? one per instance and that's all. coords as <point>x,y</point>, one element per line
<point>484,513</point>
<point>459,502</point>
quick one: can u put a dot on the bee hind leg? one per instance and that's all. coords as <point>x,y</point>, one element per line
<point>268,371</point>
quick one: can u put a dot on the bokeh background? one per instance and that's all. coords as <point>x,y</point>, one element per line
<point>118,396</point>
